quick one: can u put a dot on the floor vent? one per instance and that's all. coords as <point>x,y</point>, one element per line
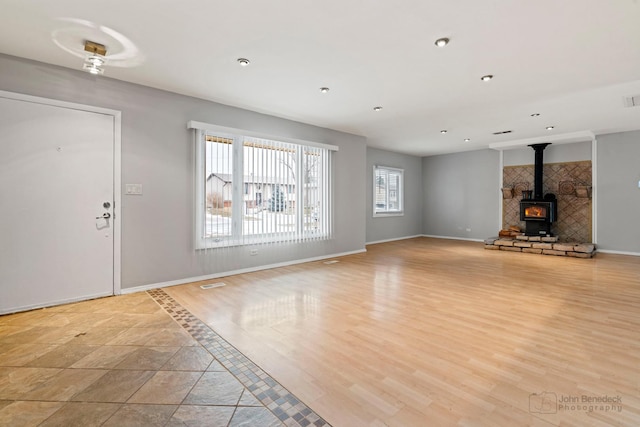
<point>333,261</point>
<point>213,285</point>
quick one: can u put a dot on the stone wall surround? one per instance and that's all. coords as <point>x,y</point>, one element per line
<point>568,181</point>
<point>543,245</point>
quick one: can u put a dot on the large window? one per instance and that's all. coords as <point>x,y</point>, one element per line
<point>254,190</point>
<point>387,191</point>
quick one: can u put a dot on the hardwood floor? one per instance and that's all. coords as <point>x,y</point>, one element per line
<point>428,332</point>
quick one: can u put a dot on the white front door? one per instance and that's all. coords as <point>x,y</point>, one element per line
<point>56,184</point>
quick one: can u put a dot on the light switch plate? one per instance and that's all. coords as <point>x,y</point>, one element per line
<point>133,189</point>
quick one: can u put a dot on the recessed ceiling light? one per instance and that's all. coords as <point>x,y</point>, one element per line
<point>324,89</point>
<point>377,108</point>
<point>443,131</point>
<point>535,115</point>
<point>486,78</point>
<point>442,42</point>
<point>550,127</point>
<point>243,62</point>
<point>467,140</point>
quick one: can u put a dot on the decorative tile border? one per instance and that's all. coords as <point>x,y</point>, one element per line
<point>284,405</point>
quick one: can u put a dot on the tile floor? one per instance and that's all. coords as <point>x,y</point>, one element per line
<point>133,360</point>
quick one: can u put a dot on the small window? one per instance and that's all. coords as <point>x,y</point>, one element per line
<point>388,187</point>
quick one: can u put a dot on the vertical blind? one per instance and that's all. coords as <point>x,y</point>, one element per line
<point>253,190</point>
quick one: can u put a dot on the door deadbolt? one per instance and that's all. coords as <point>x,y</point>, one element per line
<point>106,205</point>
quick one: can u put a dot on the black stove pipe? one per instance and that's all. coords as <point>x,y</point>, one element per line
<point>538,169</point>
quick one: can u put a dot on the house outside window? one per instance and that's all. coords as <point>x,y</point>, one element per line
<point>253,190</point>
<point>388,188</point>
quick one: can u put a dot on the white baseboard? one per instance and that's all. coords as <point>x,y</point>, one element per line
<point>233,272</point>
<point>606,251</point>
<point>393,240</point>
<point>453,238</point>
<point>52,303</point>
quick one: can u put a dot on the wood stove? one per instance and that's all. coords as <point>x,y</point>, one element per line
<point>536,210</point>
<point>538,216</point>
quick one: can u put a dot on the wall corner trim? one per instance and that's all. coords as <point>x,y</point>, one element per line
<point>233,272</point>
<point>393,240</point>
<point>607,251</point>
<point>452,238</point>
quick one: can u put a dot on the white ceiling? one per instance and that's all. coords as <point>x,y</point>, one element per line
<point>571,61</point>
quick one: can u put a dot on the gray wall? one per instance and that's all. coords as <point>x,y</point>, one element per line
<point>555,153</point>
<point>157,152</point>
<point>618,195</point>
<point>456,192</point>
<point>395,227</point>
<point>460,192</point>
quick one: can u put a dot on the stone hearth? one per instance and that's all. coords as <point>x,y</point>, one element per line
<point>541,245</point>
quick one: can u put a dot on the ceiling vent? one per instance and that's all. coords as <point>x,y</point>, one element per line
<point>503,132</point>
<point>631,101</point>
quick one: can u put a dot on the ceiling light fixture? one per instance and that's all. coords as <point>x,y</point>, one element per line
<point>550,127</point>
<point>377,108</point>
<point>535,115</point>
<point>443,131</point>
<point>486,78</point>
<point>95,59</point>
<point>324,89</point>
<point>243,62</point>
<point>467,140</point>
<point>442,42</point>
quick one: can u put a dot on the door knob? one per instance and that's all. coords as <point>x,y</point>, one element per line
<point>105,215</point>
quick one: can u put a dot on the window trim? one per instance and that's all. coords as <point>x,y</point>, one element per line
<point>192,124</point>
<point>388,213</point>
<point>237,238</point>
